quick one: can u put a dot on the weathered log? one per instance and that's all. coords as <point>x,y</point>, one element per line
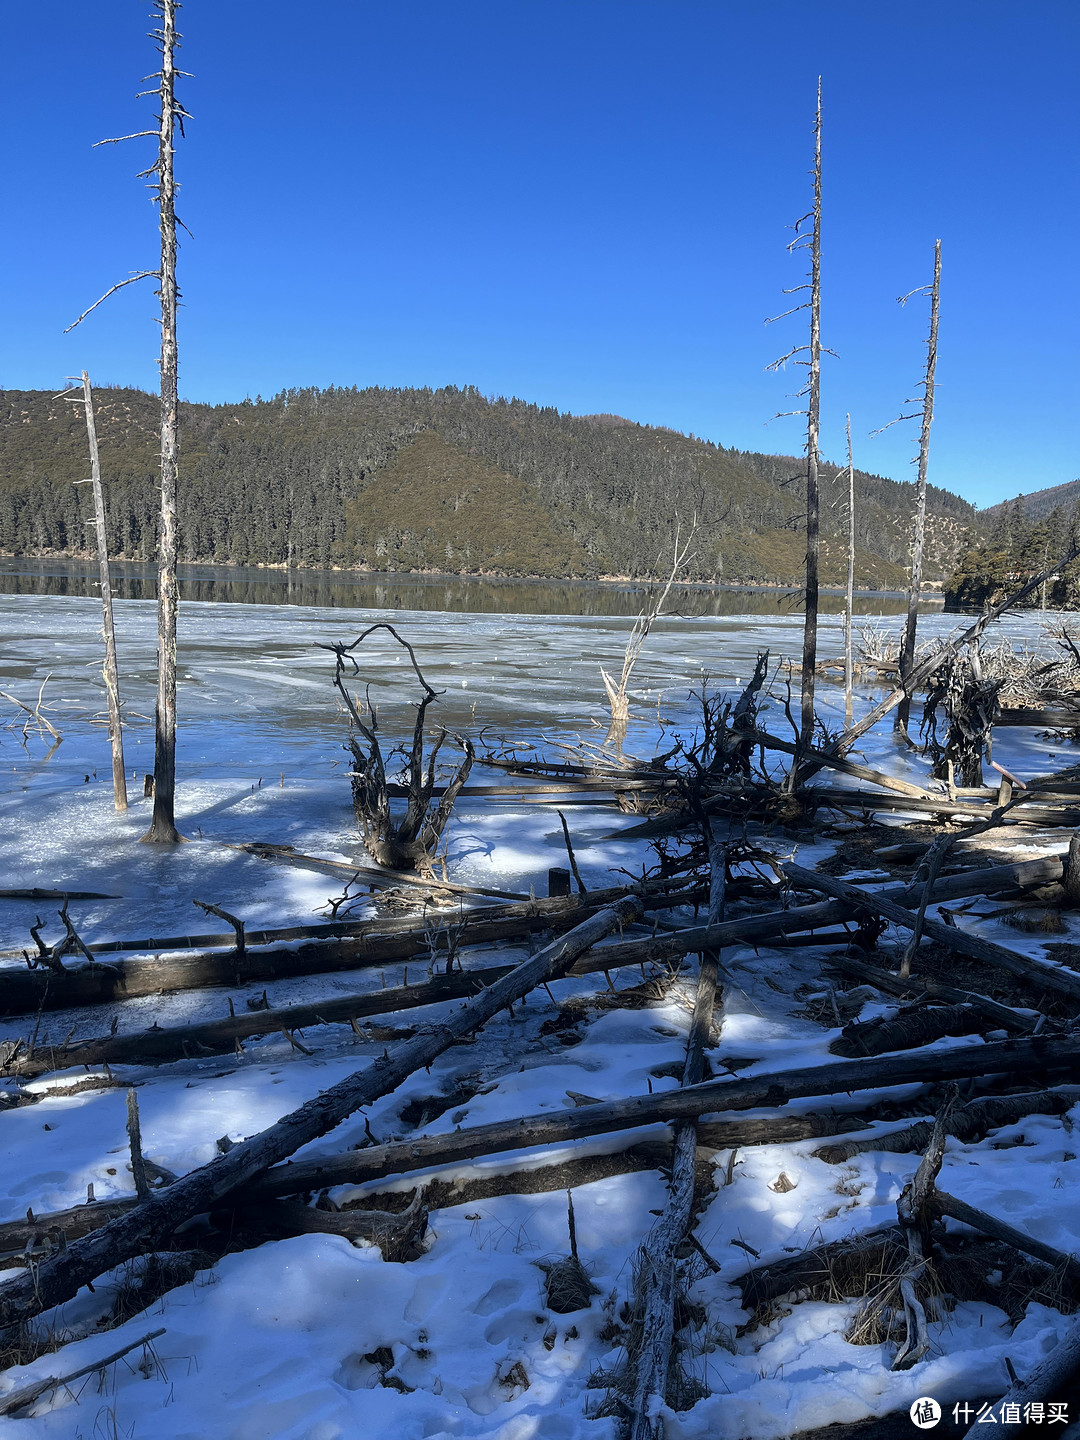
<point>633,1154</point>
<point>942,1203</point>
<point>993,1010</point>
<point>913,1211</point>
<point>844,766</point>
<point>24,1395</point>
<point>1017,1058</point>
<point>968,1123</point>
<point>373,943</point>
<point>371,874</point>
<point>658,1284</point>
<point>430,1152</point>
<point>152,1221</point>
<point>1065,982</point>
<point>905,1032</point>
<point>1046,1382</point>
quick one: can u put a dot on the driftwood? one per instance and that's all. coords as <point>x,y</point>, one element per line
<point>1047,1381</point>
<point>943,1204</point>
<point>968,1123</point>
<point>1035,972</point>
<point>1017,1059</point>
<point>914,1212</point>
<point>904,1032</point>
<point>913,985</point>
<point>657,1257</point>
<point>152,1221</point>
<point>361,946</point>
<point>25,1395</point>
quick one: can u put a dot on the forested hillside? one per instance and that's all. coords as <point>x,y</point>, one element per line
<point>445,480</point>
<point>1020,542</point>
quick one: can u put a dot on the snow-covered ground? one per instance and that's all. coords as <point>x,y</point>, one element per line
<point>270,1344</point>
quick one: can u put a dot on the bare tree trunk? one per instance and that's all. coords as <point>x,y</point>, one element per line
<point>809,656</point>
<point>850,579</point>
<point>907,652</point>
<point>112,682</point>
<point>163,826</point>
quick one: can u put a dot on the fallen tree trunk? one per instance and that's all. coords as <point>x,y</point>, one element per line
<point>659,1285</point>
<point>905,1032</point>
<point>151,1222</point>
<point>1057,978</point>
<point>942,1203</point>
<point>372,943</point>
<point>926,985</point>
<point>713,1136</point>
<point>1016,1059</point>
<point>1046,1382</point>
<point>968,1123</point>
<point>1019,1058</point>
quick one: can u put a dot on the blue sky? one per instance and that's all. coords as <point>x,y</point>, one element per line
<point>581,202</point>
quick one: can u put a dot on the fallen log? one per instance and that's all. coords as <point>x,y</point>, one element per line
<point>658,1285</point>
<point>1050,977</point>
<point>713,1135</point>
<point>905,1032</point>
<point>1046,1382</point>
<point>374,943</point>
<point>1017,1059</point>
<point>844,766</point>
<point>24,1395</point>
<point>992,1010</point>
<point>372,874</point>
<point>150,1223</point>
<point>968,1123</point>
<point>942,1203</point>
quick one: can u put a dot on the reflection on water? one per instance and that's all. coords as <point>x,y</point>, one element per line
<point>349,589</point>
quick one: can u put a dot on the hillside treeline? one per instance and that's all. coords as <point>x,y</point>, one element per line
<point>444,480</point>
<point>1019,545</point>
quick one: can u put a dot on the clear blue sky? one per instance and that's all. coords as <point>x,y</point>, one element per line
<point>580,202</point>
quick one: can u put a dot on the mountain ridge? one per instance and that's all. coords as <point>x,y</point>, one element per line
<point>343,477</point>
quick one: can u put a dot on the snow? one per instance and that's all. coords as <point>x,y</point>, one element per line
<point>271,1343</point>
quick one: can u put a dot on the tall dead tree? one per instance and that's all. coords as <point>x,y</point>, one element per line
<point>812,392</point>
<point>918,531</point>
<point>162,826</point>
<point>112,679</point>
<point>849,594</point>
<point>170,118</point>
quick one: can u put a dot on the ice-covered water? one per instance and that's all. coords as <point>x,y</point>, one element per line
<point>259,753</point>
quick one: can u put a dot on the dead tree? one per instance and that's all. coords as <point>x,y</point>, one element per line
<point>111,674</point>
<point>812,393</point>
<point>618,698</point>
<point>849,595</point>
<point>918,532</point>
<point>409,843</point>
<point>162,826</point>
<point>171,117</point>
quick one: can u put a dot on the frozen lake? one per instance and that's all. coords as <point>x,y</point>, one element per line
<point>260,757</point>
